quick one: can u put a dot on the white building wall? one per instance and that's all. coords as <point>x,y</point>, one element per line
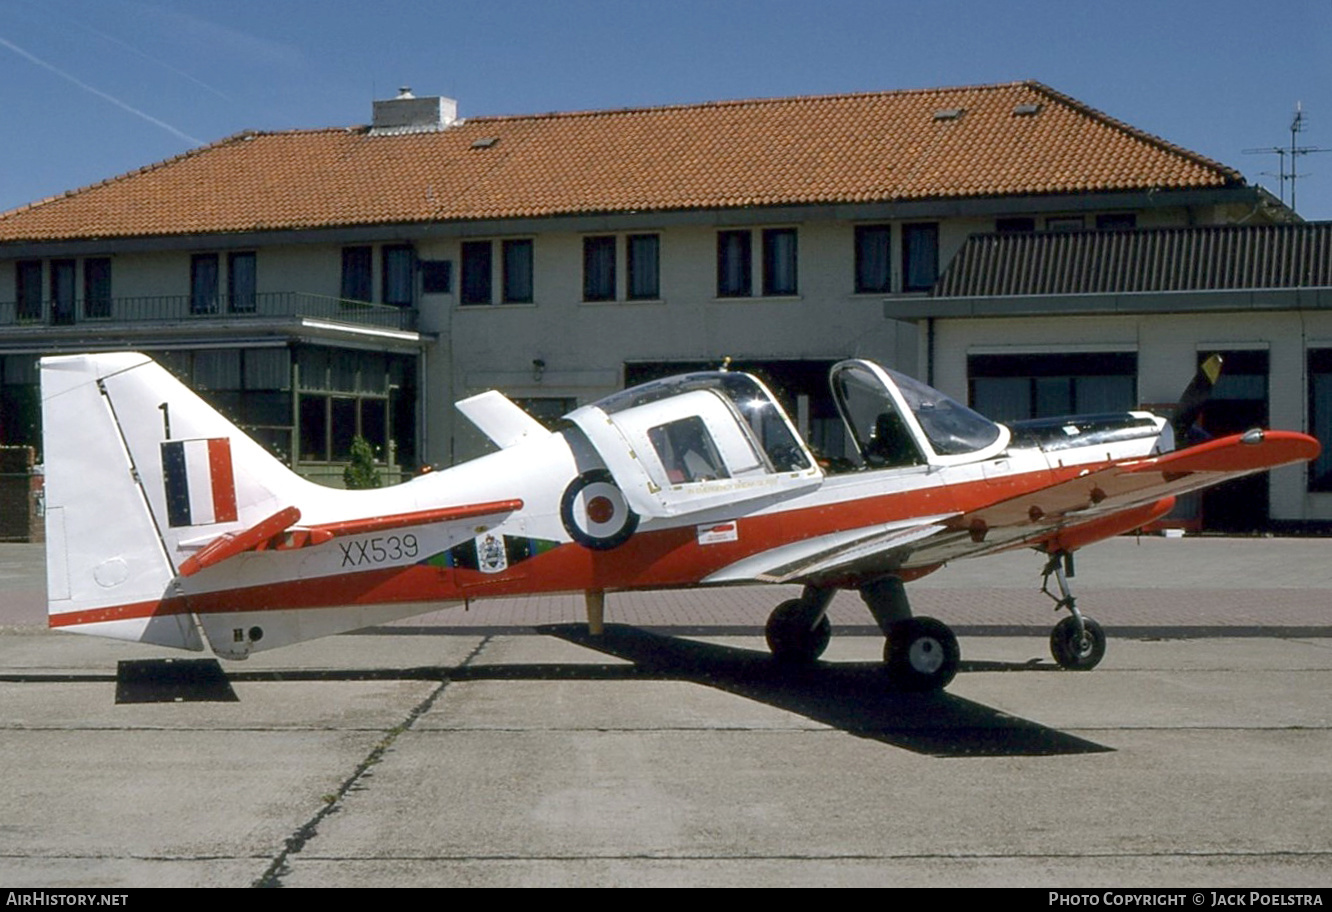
<point>584,345</point>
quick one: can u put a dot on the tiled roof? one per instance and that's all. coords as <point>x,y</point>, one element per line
<point>1161,259</point>
<point>786,151</point>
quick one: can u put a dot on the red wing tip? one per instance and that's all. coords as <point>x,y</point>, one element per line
<point>1238,453</point>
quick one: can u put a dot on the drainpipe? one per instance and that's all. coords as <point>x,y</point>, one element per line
<point>929,351</point>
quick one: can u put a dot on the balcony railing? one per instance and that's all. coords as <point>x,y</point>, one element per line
<point>187,308</point>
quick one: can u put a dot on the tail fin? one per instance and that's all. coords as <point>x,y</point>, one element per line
<point>1195,397</point>
<point>136,467</point>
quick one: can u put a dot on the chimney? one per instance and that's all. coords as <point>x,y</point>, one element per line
<point>408,114</point>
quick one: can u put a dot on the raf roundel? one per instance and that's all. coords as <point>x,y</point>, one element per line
<point>595,513</point>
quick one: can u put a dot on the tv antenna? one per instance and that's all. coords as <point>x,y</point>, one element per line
<point>1296,127</point>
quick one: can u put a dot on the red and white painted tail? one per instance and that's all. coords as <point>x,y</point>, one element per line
<point>139,470</point>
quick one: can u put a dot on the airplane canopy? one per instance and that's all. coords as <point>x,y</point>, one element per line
<point>896,420</point>
<point>687,444</point>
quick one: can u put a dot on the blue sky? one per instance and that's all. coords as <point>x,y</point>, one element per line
<point>93,88</point>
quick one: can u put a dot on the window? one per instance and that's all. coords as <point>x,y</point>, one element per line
<point>643,254</point>
<point>28,290</point>
<point>357,265</point>
<point>97,287</point>
<point>1117,221</point>
<point>398,274</point>
<point>920,256</point>
<point>436,277</point>
<point>1018,387</point>
<point>518,271</point>
<point>599,268</point>
<point>1065,223</point>
<point>314,429</point>
<point>1015,225</point>
<point>203,283</point>
<point>342,427</point>
<point>62,291</point>
<point>874,273</point>
<point>779,261</point>
<point>344,393</point>
<point>242,281</point>
<point>476,265</point>
<point>734,277</point>
<point>20,402</point>
<point>1320,417</point>
<point>687,451</point>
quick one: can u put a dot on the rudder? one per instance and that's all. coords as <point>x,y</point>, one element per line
<point>107,570</point>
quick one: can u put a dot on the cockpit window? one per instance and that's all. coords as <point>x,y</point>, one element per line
<point>881,435</point>
<point>749,401</point>
<point>880,431</point>
<point>687,451</point>
<point>951,427</point>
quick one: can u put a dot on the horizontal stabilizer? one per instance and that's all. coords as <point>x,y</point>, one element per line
<point>264,536</point>
<point>233,543</point>
<point>418,518</point>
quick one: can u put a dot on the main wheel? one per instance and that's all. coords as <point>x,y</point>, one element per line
<point>1077,653</point>
<point>921,654</point>
<point>791,635</point>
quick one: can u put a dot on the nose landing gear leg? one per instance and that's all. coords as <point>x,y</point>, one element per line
<point>1076,642</point>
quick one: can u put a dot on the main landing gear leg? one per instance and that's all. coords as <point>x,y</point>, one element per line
<point>1077,642</point>
<point>595,601</point>
<point>921,653</point>
<point>798,629</point>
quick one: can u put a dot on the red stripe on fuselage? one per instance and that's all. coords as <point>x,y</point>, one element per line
<point>668,558</point>
<point>662,559</point>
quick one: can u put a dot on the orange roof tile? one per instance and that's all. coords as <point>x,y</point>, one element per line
<point>783,151</point>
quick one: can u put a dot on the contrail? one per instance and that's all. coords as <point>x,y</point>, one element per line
<point>100,94</point>
<point>151,59</point>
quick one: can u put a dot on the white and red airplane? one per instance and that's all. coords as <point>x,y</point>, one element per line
<point>165,524</point>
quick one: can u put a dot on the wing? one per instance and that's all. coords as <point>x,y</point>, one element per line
<point>1063,516</point>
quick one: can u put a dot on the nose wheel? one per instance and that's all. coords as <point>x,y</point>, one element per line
<point>1077,650</point>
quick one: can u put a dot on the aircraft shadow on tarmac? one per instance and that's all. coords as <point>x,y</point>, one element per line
<point>854,697</point>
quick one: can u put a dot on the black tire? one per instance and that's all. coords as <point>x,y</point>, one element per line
<point>921,654</point>
<point>792,638</point>
<point>1072,652</point>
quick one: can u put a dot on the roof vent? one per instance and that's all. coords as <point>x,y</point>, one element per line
<point>1027,109</point>
<point>485,142</point>
<point>949,113</point>
<point>408,114</point>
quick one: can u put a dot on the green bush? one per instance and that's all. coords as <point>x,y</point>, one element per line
<point>361,472</point>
